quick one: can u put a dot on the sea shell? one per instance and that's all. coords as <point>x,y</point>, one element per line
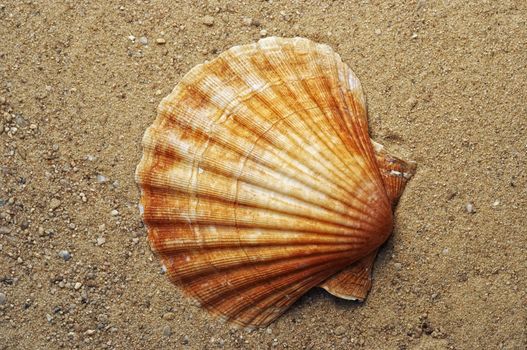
<point>259,181</point>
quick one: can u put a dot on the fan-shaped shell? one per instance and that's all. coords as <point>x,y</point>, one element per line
<point>259,180</point>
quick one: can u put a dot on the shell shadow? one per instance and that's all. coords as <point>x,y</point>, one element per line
<point>317,296</point>
<point>384,255</point>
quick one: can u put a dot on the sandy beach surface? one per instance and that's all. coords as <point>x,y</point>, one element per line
<point>80,81</point>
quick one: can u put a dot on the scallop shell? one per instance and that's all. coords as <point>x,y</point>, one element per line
<point>259,181</point>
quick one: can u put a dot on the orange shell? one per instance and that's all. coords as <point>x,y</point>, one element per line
<point>259,180</point>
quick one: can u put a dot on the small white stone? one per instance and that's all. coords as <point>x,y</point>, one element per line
<point>64,254</point>
<point>101,241</point>
<point>208,20</point>
<point>101,178</point>
<point>54,203</point>
<point>340,330</point>
<point>114,212</point>
<point>77,286</point>
<point>248,21</point>
<point>411,102</point>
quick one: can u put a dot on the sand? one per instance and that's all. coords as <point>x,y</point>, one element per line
<point>80,82</point>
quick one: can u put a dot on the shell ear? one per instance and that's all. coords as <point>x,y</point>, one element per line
<point>395,172</point>
<point>354,282</point>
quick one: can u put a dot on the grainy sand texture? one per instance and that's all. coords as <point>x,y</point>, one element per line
<point>80,82</point>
